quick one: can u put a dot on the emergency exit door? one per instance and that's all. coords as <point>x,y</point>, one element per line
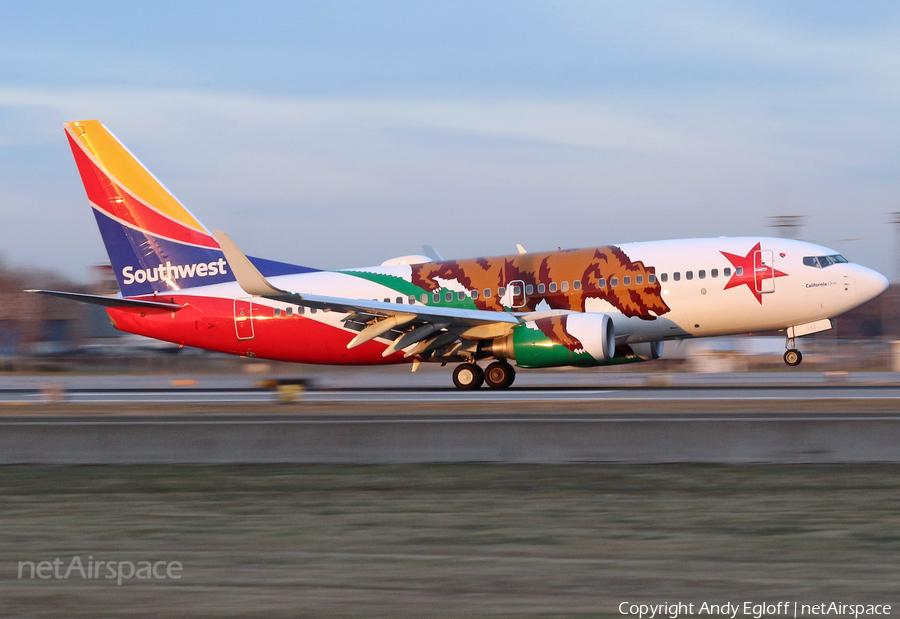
<point>243,319</point>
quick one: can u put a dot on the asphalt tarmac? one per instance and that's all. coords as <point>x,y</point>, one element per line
<point>388,417</point>
<point>398,386</point>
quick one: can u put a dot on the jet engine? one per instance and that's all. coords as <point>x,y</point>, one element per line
<point>570,339</point>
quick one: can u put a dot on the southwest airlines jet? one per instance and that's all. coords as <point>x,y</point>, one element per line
<point>578,307</point>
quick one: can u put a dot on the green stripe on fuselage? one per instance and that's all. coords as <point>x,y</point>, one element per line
<point>405,288</point>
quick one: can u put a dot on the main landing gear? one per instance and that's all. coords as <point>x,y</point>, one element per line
<point>499,375</point>
<point>468,376</point>
<point>792,356</point>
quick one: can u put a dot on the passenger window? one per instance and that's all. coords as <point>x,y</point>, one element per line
<point>689,275</point>
<point>400,300</point>
<point>701,274</point>
<point>529,289</point>
<point>664,277</point>
<point>474,294</point>
<point>576,284</point>
<point>501,291</point>
<point>276,312</point>
<point>714,273</point>
<point>727,272</point>
<point>626,281</point>
<point>564,286</point>
<point>676,276</point>
<point>289,311</point>
<point>312,310</point>
<point>412,299</point>
<point>448,296</point>
<point>436,297</point>
<point>638,279</point>
<point>601,282</point>
<point>552,286</point>
<point>541,288</point>
<point>739,270</point>
<point>613,282</point>
<point>517,291</point>
<point>424,299</point>
<point>460,296</point>
<point>387,300</point>
<point>651,278</point>
<point>487,293</point>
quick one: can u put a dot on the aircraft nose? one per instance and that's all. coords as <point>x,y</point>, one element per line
<point>869,284</point>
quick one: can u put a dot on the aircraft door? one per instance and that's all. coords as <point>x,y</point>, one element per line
<point>764,270</point>
<point>517,294</point>
<point>243,318</point>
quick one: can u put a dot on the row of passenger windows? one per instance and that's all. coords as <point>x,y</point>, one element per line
<point>290,311</point>
<point>701,274</point>
<point>449,296</point>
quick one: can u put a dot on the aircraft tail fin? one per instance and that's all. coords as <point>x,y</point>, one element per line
<point>154,243</point>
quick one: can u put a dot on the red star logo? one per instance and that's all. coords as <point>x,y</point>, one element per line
<point>754,271</point>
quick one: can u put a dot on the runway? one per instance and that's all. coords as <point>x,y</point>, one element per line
<point>397,388</point>
<point>388,418</point>
<point>415,396</point>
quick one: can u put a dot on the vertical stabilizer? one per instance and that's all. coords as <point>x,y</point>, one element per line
<point>154,243</point>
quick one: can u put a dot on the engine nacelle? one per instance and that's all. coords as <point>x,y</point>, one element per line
<point>645,351</point>
<point>570,339</point>
<point>567,339</point>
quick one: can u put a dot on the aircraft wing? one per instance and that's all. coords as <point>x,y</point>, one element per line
<point>428,326</point>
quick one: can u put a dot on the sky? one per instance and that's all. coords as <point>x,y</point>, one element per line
<point>338,134</point>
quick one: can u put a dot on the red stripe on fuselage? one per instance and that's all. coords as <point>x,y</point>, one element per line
<point>115,201</point>
<point>208,323</point>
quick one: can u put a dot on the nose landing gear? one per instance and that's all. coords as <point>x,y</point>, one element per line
<point>792,356</point>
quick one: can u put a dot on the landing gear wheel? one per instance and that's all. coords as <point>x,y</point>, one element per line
<point>793,357</point>
<point>468,376</point>
<point>499,375</point>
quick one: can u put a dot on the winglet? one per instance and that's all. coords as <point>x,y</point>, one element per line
<point>247,275</point>
<point>432,253</point>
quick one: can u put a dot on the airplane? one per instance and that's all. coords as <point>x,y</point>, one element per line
<point>599,306</point>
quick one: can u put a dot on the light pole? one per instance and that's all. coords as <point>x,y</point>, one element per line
<point>895,220</point>
<point>787,226</point>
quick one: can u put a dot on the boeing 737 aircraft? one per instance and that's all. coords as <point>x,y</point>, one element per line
<point>578,307</point>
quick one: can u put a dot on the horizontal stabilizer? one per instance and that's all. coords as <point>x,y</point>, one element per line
<point>95,299</point>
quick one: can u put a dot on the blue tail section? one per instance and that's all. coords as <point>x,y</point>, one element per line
<point>154,243</point>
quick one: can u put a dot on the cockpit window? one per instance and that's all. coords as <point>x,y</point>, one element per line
<point>821,262</point>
